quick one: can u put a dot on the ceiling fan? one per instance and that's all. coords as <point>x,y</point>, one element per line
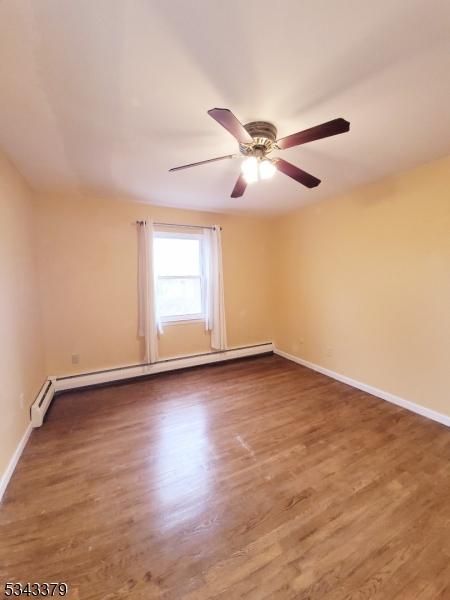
<point>257,139</point>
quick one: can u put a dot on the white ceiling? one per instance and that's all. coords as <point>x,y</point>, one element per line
<point>104,96</point>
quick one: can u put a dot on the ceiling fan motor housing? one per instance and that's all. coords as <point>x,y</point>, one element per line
<point>264,136</point>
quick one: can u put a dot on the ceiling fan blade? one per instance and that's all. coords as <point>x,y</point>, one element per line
<point>314,133</point>
<point>226,118</point>
<point>239,187</point>
<point>292,171</point>
<point>202,162</point>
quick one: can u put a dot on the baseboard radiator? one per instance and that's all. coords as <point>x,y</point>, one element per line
<point>54,385</point>
<point>42,402</point>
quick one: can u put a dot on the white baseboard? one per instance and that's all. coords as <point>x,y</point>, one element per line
<point>54,384</point>
<point>76,381</point>
<point>416,408</point>
<point>5,478</point>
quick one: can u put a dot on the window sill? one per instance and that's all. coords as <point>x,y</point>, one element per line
<point>182,321</point>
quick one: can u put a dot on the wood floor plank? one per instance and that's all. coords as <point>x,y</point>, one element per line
<point>257,479</point>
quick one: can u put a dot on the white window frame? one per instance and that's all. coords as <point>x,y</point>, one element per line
<point>199,317</point>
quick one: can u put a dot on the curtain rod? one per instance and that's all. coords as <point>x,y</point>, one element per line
<point>179,225</point>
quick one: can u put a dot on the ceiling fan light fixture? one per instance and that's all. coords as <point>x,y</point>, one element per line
<point>257,139</point>
<point>266,169</point>
<point>250,169</point>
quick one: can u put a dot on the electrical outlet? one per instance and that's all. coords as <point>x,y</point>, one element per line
<point>301,341</point>
<point>75,359</point>
<point>22,401</point>
<point>329,351</point>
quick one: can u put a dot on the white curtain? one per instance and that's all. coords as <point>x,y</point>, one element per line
<point>149,324</point>
<point>215,303</point>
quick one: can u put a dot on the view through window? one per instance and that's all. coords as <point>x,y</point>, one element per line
<point>179,270</point>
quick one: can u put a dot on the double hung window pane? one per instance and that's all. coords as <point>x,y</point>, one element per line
<point>179,296</point>
<point>177,257</point>
<point>178,272</point>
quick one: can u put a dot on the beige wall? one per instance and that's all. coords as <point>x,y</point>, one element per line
<point>363,284</point>
<point>359,284</point>
<point>21,355</point>
<point>87,253</point>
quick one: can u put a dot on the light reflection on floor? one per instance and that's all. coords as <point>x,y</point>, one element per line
<point>182,470</point>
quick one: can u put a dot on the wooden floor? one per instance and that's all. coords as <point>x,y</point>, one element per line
<point>257,479</point>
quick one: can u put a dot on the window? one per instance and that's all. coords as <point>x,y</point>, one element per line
<point>180,276</point>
